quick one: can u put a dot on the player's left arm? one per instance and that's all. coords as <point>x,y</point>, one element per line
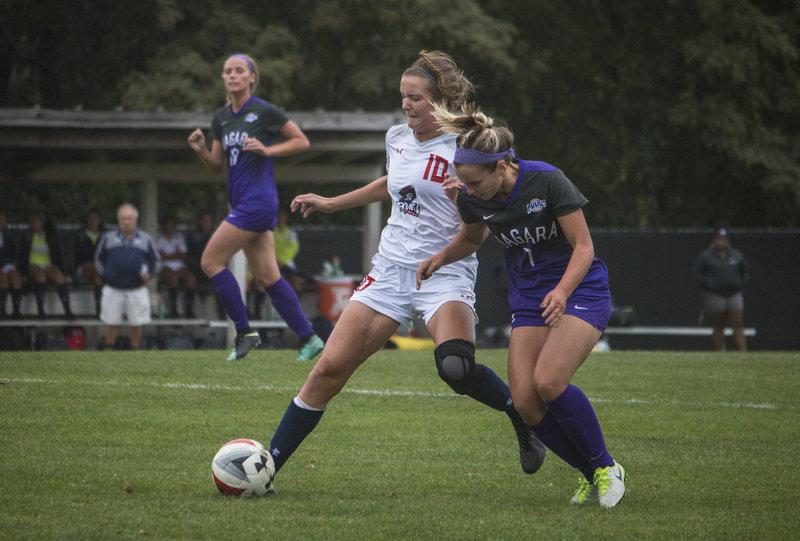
<point>295,141</point>
<point>577,233</point>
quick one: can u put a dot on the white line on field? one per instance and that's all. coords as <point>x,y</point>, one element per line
<point>382,392</point>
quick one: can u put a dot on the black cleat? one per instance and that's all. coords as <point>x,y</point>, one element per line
<point>531,450</point>
<point>243,343</point>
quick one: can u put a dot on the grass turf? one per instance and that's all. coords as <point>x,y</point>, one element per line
<point>710,442</point>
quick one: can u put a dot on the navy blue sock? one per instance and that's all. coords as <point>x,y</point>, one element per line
<point>63,294</point>
<point>39,291</point>
<point>296,424</point>
<point>489,389</point>
<point>16,300</point>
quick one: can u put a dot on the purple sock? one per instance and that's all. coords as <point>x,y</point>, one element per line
<point>287,304</point>
<point>577,419</point>
<point>552,435</point>
<point>229,294</point>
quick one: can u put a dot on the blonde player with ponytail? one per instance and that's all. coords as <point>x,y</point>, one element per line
<point>423,220</point>
<point>558,290</point>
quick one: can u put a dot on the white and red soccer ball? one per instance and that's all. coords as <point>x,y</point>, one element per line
<point>242,467</point>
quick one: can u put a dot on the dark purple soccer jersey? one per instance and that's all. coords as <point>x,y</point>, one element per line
<point>251,177</point>
<point>526,225</point>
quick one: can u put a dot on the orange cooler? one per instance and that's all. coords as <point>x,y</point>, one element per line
<point>334,292</point>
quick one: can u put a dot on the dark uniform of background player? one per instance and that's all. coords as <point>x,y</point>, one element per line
<point>722,271</point>
<point>10,278</point>
<point>558,290</point>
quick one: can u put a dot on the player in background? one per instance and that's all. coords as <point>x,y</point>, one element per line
<point>241,135</point>
<point>558,290</point>
<point>423,220</point>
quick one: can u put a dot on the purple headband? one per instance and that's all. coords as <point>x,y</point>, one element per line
<point>469,156</point>
<point>247,61</point>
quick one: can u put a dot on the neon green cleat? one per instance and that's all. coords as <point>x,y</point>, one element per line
<point>311,348</point>
<point>610,482</point>
<point>586,493</point>
<point>242,345</point>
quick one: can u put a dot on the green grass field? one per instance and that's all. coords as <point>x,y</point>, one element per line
<point>710,442</point>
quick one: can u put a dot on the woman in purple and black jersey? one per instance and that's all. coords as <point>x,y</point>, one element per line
<point>558,290</point>
<point>241,135</point>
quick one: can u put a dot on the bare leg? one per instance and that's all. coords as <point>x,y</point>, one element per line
<point>717,322</point>
<point>136,337</point>
<point>736,318</point>
<point>360,332</point>
<point>110,337</point>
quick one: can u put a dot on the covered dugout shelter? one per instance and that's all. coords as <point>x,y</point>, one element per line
<point>41,145</point>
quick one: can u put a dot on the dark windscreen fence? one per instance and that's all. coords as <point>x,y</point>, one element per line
<point>650,272</point>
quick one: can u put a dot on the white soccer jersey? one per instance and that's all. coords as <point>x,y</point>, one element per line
<point>423,220</point>
<point>172,246</point>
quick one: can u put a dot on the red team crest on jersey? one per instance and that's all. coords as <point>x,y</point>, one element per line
<point>365,283</point>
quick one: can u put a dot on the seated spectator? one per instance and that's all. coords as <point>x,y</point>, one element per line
<point>9,276</point>
<point>125,259</point>
<point>286,247</point>
<point>171,246</point>
<point>42,260</point>
<point>85,248</point>
<point>287,244</point>
<point>196,241</point>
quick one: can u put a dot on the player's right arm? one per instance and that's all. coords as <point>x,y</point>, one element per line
<point>466,242</point>
<point>214,159</point>
<point>308,203</point>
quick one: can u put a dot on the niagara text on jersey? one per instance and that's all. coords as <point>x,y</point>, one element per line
<point>251,176</point>
<point>423,218</point>
<point>526,222</point>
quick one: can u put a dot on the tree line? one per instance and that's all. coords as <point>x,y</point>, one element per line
<point>672,113</point>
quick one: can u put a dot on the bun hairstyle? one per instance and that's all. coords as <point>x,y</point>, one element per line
<point>476,131</point>
<point>251,65</point>
<point>448,84</point>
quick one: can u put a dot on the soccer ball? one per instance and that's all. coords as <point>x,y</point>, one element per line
<point>242,467</point>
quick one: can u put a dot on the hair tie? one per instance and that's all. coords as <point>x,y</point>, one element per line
<point>424,72</point>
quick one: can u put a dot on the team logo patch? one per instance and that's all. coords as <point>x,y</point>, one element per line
<point>408,201</point>
<point>365,283</point>
<point>251,117</point>
<point>536,205</point>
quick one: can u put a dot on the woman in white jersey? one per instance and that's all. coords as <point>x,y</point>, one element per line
<point>423,220</point>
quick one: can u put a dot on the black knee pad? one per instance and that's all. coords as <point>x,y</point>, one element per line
<point>455,361</point>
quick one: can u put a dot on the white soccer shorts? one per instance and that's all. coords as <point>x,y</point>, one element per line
<point>391,290</point>
<point>132,303</point>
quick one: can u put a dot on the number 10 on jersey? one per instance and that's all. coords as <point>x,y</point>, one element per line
<point>436,170</point>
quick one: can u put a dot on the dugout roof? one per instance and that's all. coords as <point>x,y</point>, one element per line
<point>44,145</point>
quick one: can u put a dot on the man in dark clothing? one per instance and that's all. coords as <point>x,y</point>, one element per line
<point>721,271</point>
<point>85,248</point>
<point>125,259</point>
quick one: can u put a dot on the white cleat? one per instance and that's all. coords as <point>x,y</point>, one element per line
<point>610,483</point>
